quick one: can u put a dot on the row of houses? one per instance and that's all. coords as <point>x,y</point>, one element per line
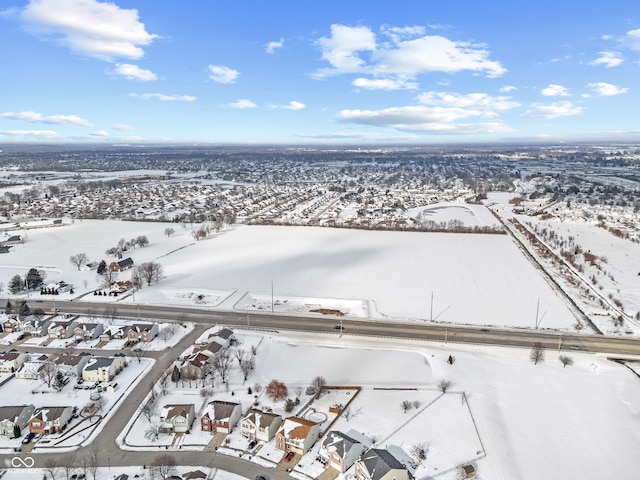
<point>79,330</point>
<point>82,365</point>
<point>292,434</point>
<point>44,420</point>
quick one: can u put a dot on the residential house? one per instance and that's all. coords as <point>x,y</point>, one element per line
<point>48,420</point>
<point>121,286</point>
<point>13,420</point>
<point>121,265</point>
<point>88,267</point>
<point>31,369</point>
<point>12,361</point>
<point>34,327</point>
<point>72,365</point>
<point>262,426</point>
<point>103,369</point>
<point>297,435</point>
<point>177,418</point>
<point>142,332</point>
<point>223,337</point>
<point>378,464</point>
<point>87,331</point>
<point>114,332</point>
<point>340,451</point>
<point>60,329</point>
<point>220,417</point>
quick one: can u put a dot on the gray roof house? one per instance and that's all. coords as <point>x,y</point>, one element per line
<point>340,451</point>
<point>378,464</point>
<point>12,416</point>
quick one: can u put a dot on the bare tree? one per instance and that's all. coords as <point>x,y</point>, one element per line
<point>37,314</point>
<point>51,467</point>
<point>48,373</point>
<point>138,353</point>
<point>78,259</point>
<point>142,241</point>
<point>107,277</point>
<point>153,432</point>
<point>405,406</point>
<point>247,366</point>
<point>68,464</point>
<point>239,354</point>
<point>93,460</point>
<point>318,383</point>
<point>169,231</point>
<point>169,330</point>
<point>222,364</point>
<point>150,272</point>
<point>537,353</point>
<point>148,409</point>
<point>164,465</point>
<point>565,360</point>
<point>444,385</point>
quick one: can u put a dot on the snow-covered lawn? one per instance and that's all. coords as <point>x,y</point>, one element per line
<point>501,412</point>
<point>453,278</point>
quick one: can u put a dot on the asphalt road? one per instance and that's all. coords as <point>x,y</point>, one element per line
<point>110,453</point>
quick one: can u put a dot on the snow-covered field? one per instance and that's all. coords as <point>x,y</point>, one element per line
<point>446,277</point>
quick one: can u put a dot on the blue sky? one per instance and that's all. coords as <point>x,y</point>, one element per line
<point>306,71</point>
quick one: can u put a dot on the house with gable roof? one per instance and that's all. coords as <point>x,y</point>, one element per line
<point>177,418</point>
<point>48,420</point>
<point>262,426</point>
<point>378,464</point>
<point>12,361</point>
<point>297,435</point>
<point>220,416</point>
<point>339,451</point>
<point>12,417</point>
<point>72,365</point>
<point>142,332</point>
<point>86,331</point>
<point>103,369</point>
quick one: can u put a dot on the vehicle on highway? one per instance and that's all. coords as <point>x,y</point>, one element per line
<point>337,327</point>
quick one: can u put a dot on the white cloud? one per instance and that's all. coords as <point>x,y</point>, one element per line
<point>607,89</point>
<point>608,59</point>
<point>508,89</point>
<point>293,105</point>
<point>422,119</point>
<point>44,134</point>
<point>554,90</point>
<point>632,39</point>
<point>133,72</point>
<point>403,56</point>
<point>403,33</point>
<point>222,74</point>
<point>35,117</point>
<point>384,84</point>
<point>273,46</point>
<point>89,27</point>
<point>242,104</point>
<point>553,110</point>
<point>123,128</point>
<point>341,48</point>
<point>163,97</point>
<point>355,136</point>
<point>100,134</point>
<point>475,100</point>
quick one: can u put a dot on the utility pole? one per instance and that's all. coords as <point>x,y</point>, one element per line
<point>271,296</point>
<point>537,311</point>
<point>431,311</point>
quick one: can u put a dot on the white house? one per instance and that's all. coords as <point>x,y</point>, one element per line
<point>262,426</point>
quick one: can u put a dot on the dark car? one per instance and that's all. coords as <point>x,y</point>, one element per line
<point>252,444</point>
<point>289,456</point>
<point>261,477</point>
<point>28,438</point>
<point>337,327</point>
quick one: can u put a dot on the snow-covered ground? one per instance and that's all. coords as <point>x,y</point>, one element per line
<point>446,277</point>
<point>501,413</point>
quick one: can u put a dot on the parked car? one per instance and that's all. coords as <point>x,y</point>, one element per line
<point>252,444</point>
<point>289,456</point>
<point>28,438</point>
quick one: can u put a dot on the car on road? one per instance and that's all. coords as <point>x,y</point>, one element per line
<point>337,327</point>
<point>28,438</point>
<point>261,477</point>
